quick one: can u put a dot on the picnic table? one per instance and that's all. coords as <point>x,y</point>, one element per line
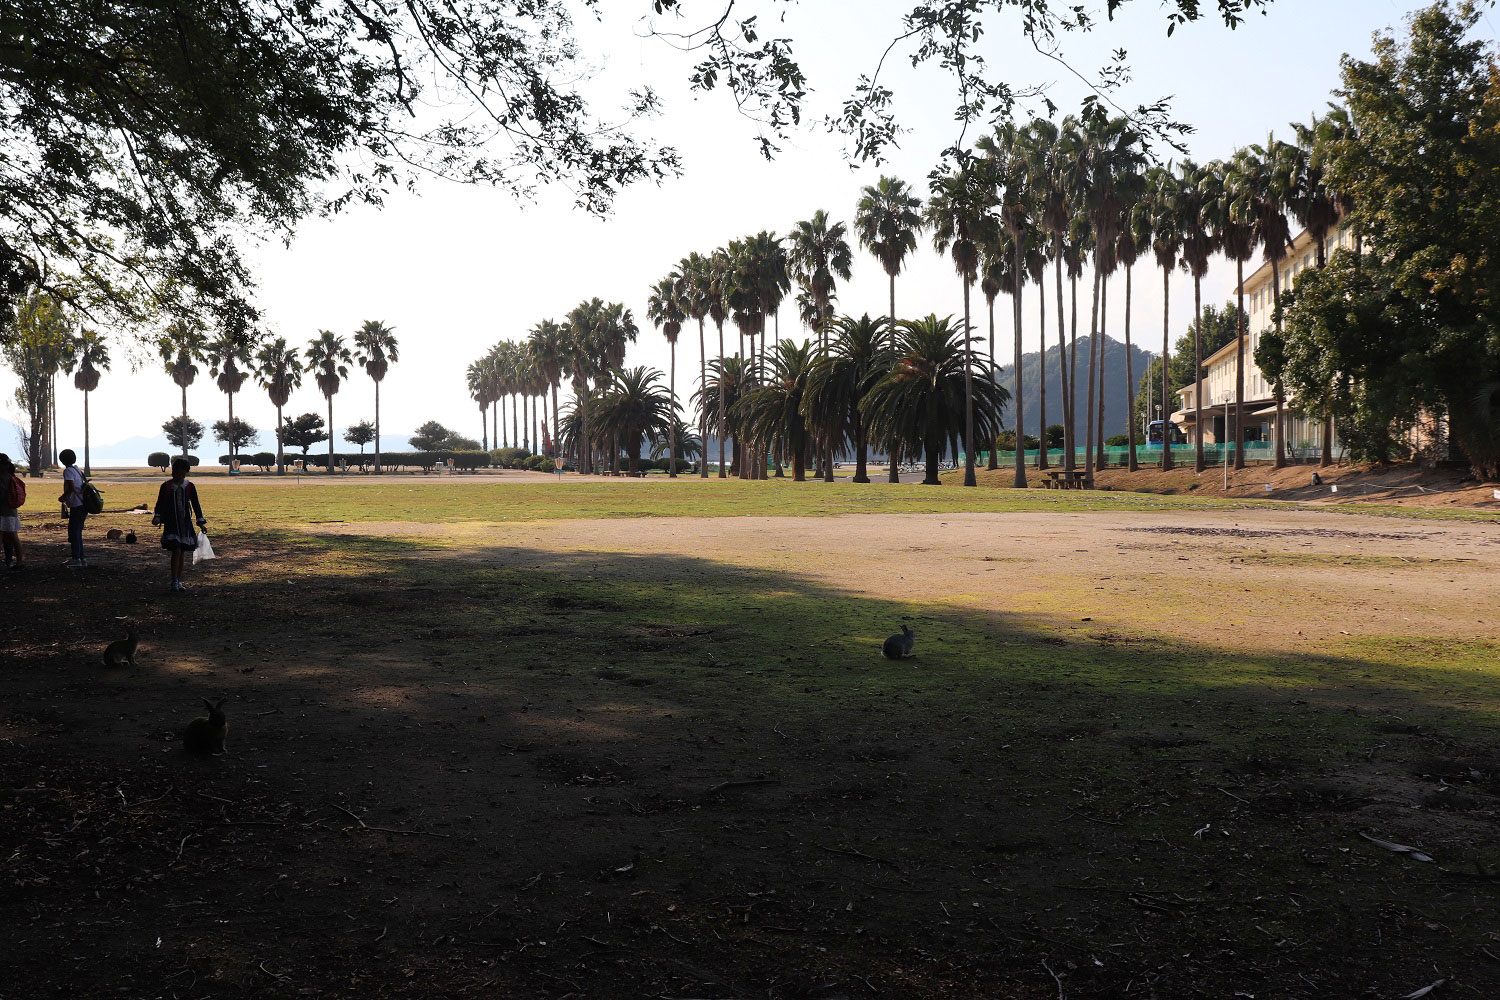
<point>1065,479</point>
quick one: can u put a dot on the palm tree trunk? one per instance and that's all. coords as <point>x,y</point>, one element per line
<point>1280,396</point>
<point>969,478</point>
<point>1129,379</point>
<point>1088,410</point>
<point>330,434</point>
<point>861,474</point>
<point>484,426</point>
<point>231,428</point>
<point>1062,366</point>
<point>515,420</point>
<point>723,424</point>
<point>1198,463</point>
<point>87,468</point>
<point>994,462</point>
<point>556,430</point>
<point>702,410</point>
<point>1019,398</point>
<point>584,444</point>
<point>1100,455</point>
<point>672,427</point>
<point>1239,367</point>
<point>1041,298</point>
<point>893,475</point>
<point>1166,378</point>
<point>377,426</point>
<point>280,451</point>
<point>799,462</point>
<point>1073,380</point>
<point>934,457</point>
<point>184,426</point>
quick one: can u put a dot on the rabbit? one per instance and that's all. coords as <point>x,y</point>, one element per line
<point>121,652</point>
<point>206,736</point>
<point>129,538</point>
<point>114,534</point>
<point>901,645</point>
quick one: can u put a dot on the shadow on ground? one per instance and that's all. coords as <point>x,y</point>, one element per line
<point>508,772</point>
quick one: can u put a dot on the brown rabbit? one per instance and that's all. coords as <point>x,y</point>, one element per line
<point>114,535</point>
<point>206,736</point>
<point>121,652</point>
<point>901,646</point>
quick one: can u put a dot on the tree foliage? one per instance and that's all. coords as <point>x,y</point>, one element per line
<point>1413,325</point>
<point>303,432</point>
<point>235,434</point>
<point>183,433</point>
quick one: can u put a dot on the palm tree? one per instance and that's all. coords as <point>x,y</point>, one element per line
<point>715,290</point>
<point>375,349</point>
<point>1233,216</point>
<point>887,222</point>
<point>478,380</point>
<point>278,369</point>
<point>228,351</point>
<point>666,312</point>
<point>183,343</point>
<point>693,293</point>
<point>1114,160</point>
<point>958,213</point>
<point>1197,190</point>
<point>994,277</point>
<point>632,408</point>
<point>585,354</point>
<point>1275,186</point>
<point>1166,244</point>
<point>689,445</point>
<point>858,356</point>
<point>88,353</point>
<point>1135,238</point>
<point>820,258</point>
<point>1006,157</point>
<point>728,380</point>
<point>932,380</point>
<point>1052,162</point>
<point>1317,208</point>
<point>328,358</point>
<point>548,350</point>
<point>774,411</point>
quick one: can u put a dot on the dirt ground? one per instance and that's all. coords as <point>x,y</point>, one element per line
<point>1137,755</point>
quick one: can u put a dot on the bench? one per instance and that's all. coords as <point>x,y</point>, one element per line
<point>1065,479</point>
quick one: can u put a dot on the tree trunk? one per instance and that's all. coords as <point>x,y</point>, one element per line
<point>87,467</point>
<point>280,449</point>
<point>893,474</point>
<point>330,434</point>
<point>1019,398</point>
<point>934,458</point>
<point>1072,423</point>
<point>377,427</point>
<point>723,424</point>
<point>1129,379</point>
<point>484,426</point>
<point>994,462</point>
<point>799,462</point>
<point>1100,455</point>
<point>1041,298</point>
<point>1239,367</point>
<point>1280,395</point>
<point>861,473</point>
<point>969,478</point>
<point>515,422</point>
<point>672,427</point>
<point>1326,459</point>
<point>231,429</point>
<point>1198,463</point>
<point>1088,410</point>
<point>183,427</point>
<point>702,410</point>
<point>584,446</point>
<point>1166,377</point>
<point>556,430</point>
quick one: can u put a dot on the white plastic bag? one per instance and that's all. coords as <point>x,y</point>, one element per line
<point>204,550</point>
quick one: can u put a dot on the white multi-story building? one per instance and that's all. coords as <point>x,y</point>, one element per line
<point>1304,431</point>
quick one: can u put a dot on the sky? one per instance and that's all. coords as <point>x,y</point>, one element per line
<point>454,268</point>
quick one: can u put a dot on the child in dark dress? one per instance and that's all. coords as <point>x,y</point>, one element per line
<point>176,502</point>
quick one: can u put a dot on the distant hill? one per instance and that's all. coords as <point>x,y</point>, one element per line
<point>1115,409</point>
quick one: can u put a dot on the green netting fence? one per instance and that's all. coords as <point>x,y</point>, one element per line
<point>1258,451</point>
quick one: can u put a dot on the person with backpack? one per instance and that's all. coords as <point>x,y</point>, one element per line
<point>176,503</point>
<point>74,508</point>
<point>12,496</point>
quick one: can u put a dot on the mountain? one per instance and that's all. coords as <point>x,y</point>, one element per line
<point>1115,408</point>
<point>10,439</point>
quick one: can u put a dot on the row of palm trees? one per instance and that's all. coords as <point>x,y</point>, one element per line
<point>233,356</point>
<point>1030,198</point>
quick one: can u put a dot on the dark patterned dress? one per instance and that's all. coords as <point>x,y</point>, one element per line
<point>175,506</point>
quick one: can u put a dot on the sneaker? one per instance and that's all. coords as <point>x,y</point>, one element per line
<point>73,564</point>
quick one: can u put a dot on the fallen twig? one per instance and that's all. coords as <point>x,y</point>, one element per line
<point>1094,819</point>
<point>1232,795</point>
<point>183,844</point>
<point>386,829</point>
<point>859,854</point>
<point>724,786</point>
<point>1055,978</point>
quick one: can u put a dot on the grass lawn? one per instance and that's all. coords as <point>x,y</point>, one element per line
<point>620,739</point>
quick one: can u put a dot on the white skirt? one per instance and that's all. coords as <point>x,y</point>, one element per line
<point>11,522</point>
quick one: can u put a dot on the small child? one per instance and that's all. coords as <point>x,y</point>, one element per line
<point>173,501</point>
<point>73,508</point>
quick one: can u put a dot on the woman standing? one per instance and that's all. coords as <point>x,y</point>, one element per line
<point>10,516</point>
<point>176,502</point>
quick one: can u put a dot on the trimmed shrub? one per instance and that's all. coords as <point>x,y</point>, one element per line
<point>471,460</point>
<point>539,463</point>
<point>159,460</point>
<point>192,461</point>
<point>1117,441</point>
<point>510,458</point>
<point>265,459</point>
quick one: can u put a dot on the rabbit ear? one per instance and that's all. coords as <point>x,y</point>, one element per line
<point>220,704</point>
<point>206,702</point>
